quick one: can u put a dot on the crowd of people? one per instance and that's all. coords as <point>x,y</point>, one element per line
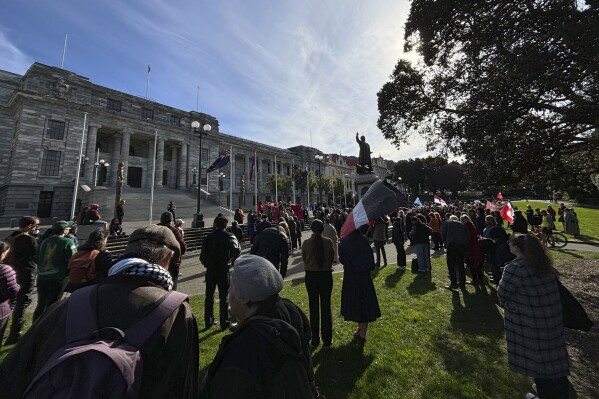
<point>268,353</point>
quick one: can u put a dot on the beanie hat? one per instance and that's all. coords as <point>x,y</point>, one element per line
<point>255,278</point>
<point>166,218</point>
<point>59,226</point>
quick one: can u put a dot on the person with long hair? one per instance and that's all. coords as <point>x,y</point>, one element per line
<point>8,288</point>
<point>534,327</point>
<point>94,246</point>
<point>398,237</point>
<point>318,255</point>
<point>358,296</point>
<point>473,258</point>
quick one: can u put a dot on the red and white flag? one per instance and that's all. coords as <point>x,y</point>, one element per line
<point>439,200</point>
<point>380,199</point>
<point>500,197</point>
<point>252,168</point>
<point>507,212</point>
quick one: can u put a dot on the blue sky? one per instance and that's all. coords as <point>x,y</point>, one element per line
<point>269,71</point>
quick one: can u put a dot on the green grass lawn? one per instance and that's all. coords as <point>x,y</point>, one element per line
<point>429,343</point>
<point>588,219</point>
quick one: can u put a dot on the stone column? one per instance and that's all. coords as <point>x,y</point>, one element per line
<point>90,153</point>
<point>183,167</point>
<point>125,153</point>
<point>172,174</point>
<point>148,172</point>
<point>114,161</point>
<point>159,163</point>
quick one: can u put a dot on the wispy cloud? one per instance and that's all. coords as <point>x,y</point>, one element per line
<point>269,71</point>
<point>13,59</point>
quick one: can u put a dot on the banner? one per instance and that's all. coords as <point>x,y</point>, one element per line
<point>439,200</point>
<point>220,162</point>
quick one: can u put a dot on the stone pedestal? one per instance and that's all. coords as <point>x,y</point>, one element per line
<point>222,199</point>
<point>363,183</point>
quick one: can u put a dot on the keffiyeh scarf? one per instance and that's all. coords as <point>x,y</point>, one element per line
<point>139,267</point>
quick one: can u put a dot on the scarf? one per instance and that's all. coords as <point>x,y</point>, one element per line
<point>139,267</point>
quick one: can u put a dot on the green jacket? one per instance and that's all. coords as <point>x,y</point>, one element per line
<point>53,258</point>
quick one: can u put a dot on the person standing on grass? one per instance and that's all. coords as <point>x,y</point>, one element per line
<point>359,302</point>
<point>473,258</point>
<point>330,232</point>
<point>455,236</point>
<point>8,288</point>
<point>318,255</point>
<point>571,222</point>
<point>398,238</point>
<point>420,234</point>
<point>534,327</point>
<point>53,260</point>
<point>23,258</point>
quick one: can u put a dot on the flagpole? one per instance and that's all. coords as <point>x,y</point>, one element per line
<point>276,182</point>
<point>64,51</point>
<point>232,179</point>
<point>308,186</point>
<point>292,179</point>
<point>154,175</point>
<point>198,100</point>
<point>256,182</point>
<point>78,173</point>
<point>148,82</point>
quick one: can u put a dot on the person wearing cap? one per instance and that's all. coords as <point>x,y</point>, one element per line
<point>455,236</point>
<point>179,226</point>
<point>52,266</point>
<point>248,363</point>
<point>218,248</point>
<point>166,220</point>
<point>135,285</point>
<point>92,215</point>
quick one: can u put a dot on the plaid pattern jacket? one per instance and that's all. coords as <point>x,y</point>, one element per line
<point>534,328</point>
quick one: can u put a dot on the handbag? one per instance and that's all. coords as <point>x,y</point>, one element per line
<point>574,315</point>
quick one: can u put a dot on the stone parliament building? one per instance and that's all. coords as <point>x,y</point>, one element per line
<point>44,112</point>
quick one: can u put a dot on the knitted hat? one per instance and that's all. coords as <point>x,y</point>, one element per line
<point>61,225</point>
<point>255,278</point>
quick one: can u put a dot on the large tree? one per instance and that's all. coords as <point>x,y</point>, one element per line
<point>512,85</point>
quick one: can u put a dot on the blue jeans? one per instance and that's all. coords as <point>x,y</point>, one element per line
<point>424,259</point>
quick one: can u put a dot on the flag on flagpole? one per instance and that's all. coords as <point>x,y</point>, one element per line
<point>417,201</point>
<point>380,199</point>
<point>303,175</point>
<point>439,200</point>
<point>220,162</point>
<point>500,197</point>
<point>252,168</point>
<point>507,212</point>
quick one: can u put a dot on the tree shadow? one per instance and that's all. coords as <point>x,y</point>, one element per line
<point>392,279</point>
<point>421,284</point>
<point>570,252</point>
<point>340,367</point>
<point>297,281</point>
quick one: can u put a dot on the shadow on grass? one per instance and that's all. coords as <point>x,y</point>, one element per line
<point>477,314</point>
<point>341,367</point>
<point>392,279</point>
<point>571,253</point>
<point>421,284</point>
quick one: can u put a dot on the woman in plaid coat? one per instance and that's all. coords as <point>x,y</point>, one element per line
<point>534,328</point>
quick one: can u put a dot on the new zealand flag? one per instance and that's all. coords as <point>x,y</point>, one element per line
<point>219,163</point>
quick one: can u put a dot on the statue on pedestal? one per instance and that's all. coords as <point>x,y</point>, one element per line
<point>241,192</point>
<point>119,187</point>
<point>364,160</point>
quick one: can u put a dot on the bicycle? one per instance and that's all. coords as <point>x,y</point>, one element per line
<point>554,239</point>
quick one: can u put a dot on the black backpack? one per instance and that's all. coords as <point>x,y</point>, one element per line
<point>91,365</point>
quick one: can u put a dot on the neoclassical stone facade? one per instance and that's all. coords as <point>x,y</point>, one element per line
<point>48,113</point>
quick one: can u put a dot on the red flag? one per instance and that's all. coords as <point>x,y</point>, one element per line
<point>500,197</point>
<point>380,199</point>
<point>507,212</point>
<point>252,168</point>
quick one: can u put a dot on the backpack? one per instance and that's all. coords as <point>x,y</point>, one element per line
<point>82,267</point>
<point>94,363</point>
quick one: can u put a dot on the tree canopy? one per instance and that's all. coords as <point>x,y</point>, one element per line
<point>512,86</point>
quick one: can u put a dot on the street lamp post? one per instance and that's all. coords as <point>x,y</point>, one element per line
<point>221,177</point>
<point>319,159</point>
<point>198,218</point>
<point>194,171</point>
<point>99,162</point>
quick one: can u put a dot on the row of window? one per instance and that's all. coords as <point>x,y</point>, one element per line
<point>146,113</point>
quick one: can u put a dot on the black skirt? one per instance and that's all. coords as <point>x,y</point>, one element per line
<point>358,298</point>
